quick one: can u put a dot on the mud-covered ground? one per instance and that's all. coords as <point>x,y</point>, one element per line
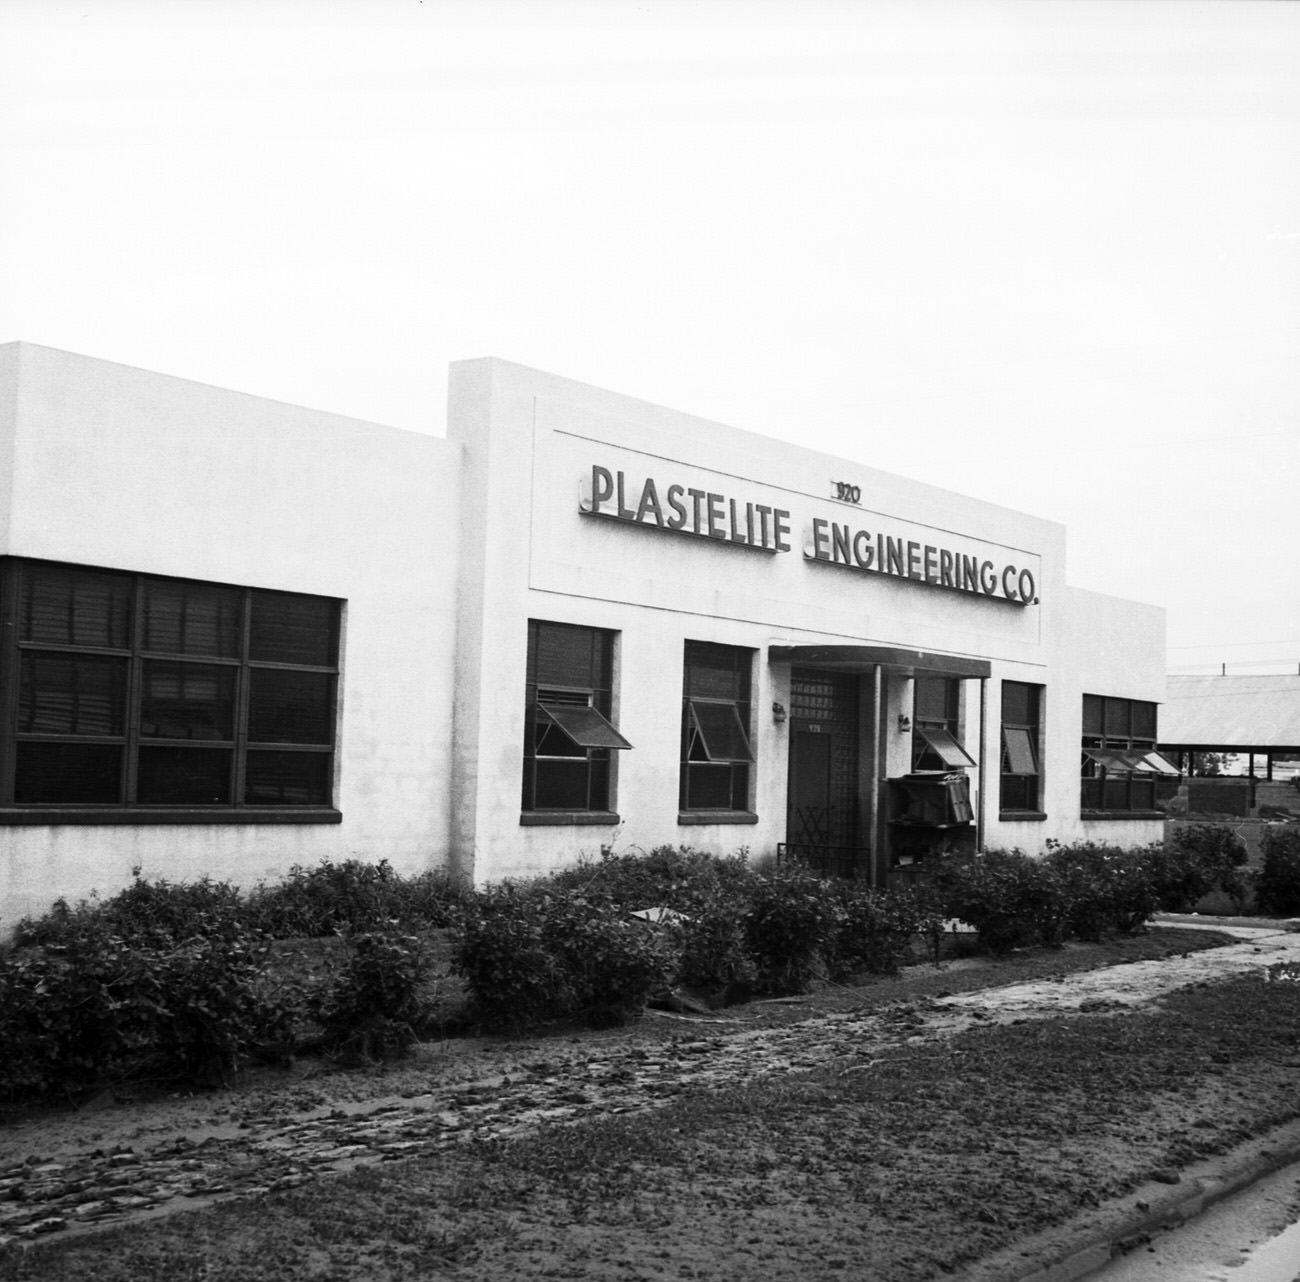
<point>748,1196</point>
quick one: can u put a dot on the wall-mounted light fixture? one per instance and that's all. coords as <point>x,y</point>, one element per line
<point>778,713</point>
<point>904,723</point>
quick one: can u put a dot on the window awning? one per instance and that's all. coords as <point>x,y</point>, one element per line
<point>1138,762</point>
<point>1019,746</point>
<point>949,751</point>
<point>584,725</point>
<point>862,658</point>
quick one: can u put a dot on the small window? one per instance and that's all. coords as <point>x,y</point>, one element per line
<point>716,747</point>
<point>139,692</point>
<point>936,716</point>
<point>1021,747</point>
<point>569,733</point>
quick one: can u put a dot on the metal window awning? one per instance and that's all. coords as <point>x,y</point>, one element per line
<point>1133,761</point>
<point>585,726</point>
<point>1019,746</point>
<point>863,658</point>
<point>721,734</point>
<point>948,750</point>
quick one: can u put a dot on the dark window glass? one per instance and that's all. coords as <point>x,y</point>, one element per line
<point>569,733</point>
<point>1120,769</point>
<point>288,778</point>
<point>83,694</point>
<point>67,773</point>
<point>184,777</point>
<point>169,693</point>
<point>935,700</point>
<point>1093,720</point>
<point>187,700</point>
<point>1118,718</point>
<point>66,605</point>
<point>936,705</point>
<point>292,629</point>
<point>192,618</point>
<point>716,747</point>
<point>1021,751</point>
<point>1144,721</point>
<point>290,707</point>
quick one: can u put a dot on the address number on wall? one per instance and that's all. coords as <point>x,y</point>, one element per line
<point>847,493</point>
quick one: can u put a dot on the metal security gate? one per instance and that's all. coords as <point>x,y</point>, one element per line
<point>822,807</point>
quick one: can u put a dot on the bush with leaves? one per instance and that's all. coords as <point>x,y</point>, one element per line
<point>676,877</point>
<point>149,914</point>
<point>1277,885</point>
<point>713,943</point>
<point>530,955</point>
<point>1011,899</point>
<point>1105,888</point>
<point>376,1007</point>
<point>1197,859</point>
<point>791,918</point>
<point>100,1009</point>
<point>874,929</point>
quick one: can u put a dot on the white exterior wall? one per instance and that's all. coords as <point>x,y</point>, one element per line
<point>119,468</point>
<point>531,438</point>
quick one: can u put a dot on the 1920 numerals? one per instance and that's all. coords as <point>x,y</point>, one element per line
<point>847,493</point>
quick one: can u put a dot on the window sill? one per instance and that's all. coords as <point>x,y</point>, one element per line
<point>716,817</point>
<point>1021,816</point>
<point>117,815</point>
<point>566,818</point>
<point>1088,815</point>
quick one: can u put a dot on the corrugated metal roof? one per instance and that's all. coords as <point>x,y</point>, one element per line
<point>1232,712</point>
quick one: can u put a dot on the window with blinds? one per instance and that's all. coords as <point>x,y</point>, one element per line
<point>716,749</point>
<point>569,735</point>
<point>140,693</point>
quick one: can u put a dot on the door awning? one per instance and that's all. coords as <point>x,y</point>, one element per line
<point>862,658</point>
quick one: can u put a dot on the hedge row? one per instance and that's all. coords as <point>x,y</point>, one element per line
<point>171,981</point>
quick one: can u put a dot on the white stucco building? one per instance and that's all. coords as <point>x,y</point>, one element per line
<point>239,635</point>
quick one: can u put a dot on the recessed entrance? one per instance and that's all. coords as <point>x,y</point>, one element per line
<point>823,807</point>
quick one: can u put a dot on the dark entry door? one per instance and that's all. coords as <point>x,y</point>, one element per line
<point>822,807</point>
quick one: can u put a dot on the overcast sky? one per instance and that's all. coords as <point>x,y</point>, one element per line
<point>1042,253</point>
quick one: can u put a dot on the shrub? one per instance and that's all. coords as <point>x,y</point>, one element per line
<point>376,1008</point>
<point>874,929</point>
<point>1009,898</point>
<point>674,877</point>
<point>1198,859</point>
<point>148,914</point>
<point>1277,887</point>
<point>530,956</point>
<point>791,919</point>
<point>1104,887</point>
<point>100,1009</point>
<point>713,946</point>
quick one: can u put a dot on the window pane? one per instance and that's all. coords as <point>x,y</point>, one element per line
<point>561,785</point>
<point>192,618</point>
<point>1018,704</point>
<point>569,656</point>
<point>71,694</point>
<point>935,699</point>
<point>708,787</point>
<point>1144,720</point>
<point>288,779</point>
<point>720,729</point>
<point>1114,794</point>
<point>63,605</point>
<point>290,707</point>
<point>58,773</point>
<point>717,672</point>
<point>1019,792</point>
<point>1092,714</point>
<point>292,629</point>
<point>585,726</point>
<point>1117,717</point>
<point>1020,756</point>
<point>184,777</point>
<point>187,701</point>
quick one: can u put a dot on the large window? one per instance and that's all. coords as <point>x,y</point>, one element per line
<point>936,713</point>
<point>568,734</point>
<point>716,751</point>
<point>1021,747</point>
<point>130,692</point>
<point>1120,763</point>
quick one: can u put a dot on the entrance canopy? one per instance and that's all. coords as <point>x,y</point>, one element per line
<point>863,658</point>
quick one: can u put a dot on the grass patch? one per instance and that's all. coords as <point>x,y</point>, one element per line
<point>905,1167</point>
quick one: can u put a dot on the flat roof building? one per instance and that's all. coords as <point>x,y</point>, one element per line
<point>240,635</point>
